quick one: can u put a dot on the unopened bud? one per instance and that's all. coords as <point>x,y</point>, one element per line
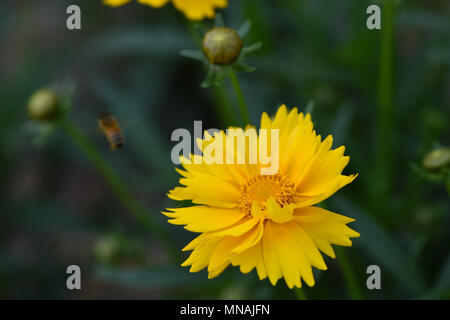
<point>107,249</point>
<point>437,159</point>
<point>222,46</point>
<point>44,105</point>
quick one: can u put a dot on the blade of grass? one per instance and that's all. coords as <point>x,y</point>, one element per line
<point>385,109</point>
<point>351,281</point>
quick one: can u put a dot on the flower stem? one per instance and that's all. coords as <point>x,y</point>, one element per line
<point>221,103</point>
<point>223,106</point>
<point>349,275</point>
<point>119,188</point>
<point>240,97</point>
<point>300,293</point>
<point>385,107</point>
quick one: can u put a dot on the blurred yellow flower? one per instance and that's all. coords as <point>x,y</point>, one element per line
<point>193,9</point>
<point>115,3</point>
<point>267,222</point>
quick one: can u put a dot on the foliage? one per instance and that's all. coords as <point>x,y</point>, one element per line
<point>54,206</point>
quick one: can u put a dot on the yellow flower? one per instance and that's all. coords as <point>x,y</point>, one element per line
<point>193,9</point>
<point>199,9</point>
<point>115,3</point>
<point>267,222</point>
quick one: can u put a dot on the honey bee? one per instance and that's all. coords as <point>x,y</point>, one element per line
<point>110,127</point>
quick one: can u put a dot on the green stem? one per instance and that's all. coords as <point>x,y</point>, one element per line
<point>447,181</point>
<point>221,103</point>
<point>385,106</point>
<point>194,34</point>
<point>119,188</point>
<point>300,293</point>
<point>223,106</point>
<point>240,97</point>
<point>349,274</point>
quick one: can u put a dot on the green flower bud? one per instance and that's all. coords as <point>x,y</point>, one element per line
<point>44,105</point>
<point>108,249</point>
<point>222,46</point>
<point>437,159</point>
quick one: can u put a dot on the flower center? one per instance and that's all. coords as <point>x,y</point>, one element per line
<point>260,188</point>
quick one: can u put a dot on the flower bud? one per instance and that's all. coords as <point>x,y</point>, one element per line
<point>437,159</point>
<point>44,105</point>
<point>222,46</point>
<point>107,250</point>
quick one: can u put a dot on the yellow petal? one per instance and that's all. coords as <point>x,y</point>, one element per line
<point>271,263</point>
<point>216,272</point>
<point>277,213</point>
<point>196,242</point>
<point>218,193</point>
<point>301,148</point>
<point>280,117</point>
<point>266,123</point>
<point>199,258</point>
<point>261,268</point>
<point>323,245</point>
<point>241,227</point>
<point>307,244</point>
<point>221,254</point>
<point>154,3</point>
<point>328,226</point>
<point>199,9</point>
<point>288,255</point>
<point>302,201</point>
<point>203,218</point>
<point>319,215</point>
<point>233,174</point>
<point>252,239</point>
<point>115,3</point>
<point>322,174</point>
<point>299,256</point>
<point>248,259</point>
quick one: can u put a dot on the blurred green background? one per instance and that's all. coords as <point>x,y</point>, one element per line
<point>386,99</point>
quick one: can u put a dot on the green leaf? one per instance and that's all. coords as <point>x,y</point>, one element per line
<point>216,76</point>
<point>243,67</point>
<point>210,78</point>
<point>250,49</point>
<point>244,29</point>
<point>382,248</point>
<point>39,133</point>
<point>221,75</point>
<point>194,54</point>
